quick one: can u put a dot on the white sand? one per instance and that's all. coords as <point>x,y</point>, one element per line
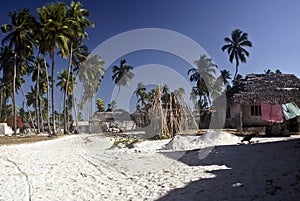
<point>84,167</point>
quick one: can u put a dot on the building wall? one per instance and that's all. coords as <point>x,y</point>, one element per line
<point>248,119</point>
<point>252,121</point>
<point>234,120</point>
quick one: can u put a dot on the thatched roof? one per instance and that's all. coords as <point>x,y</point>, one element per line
<point>268,88</point>
<point>112,116</point>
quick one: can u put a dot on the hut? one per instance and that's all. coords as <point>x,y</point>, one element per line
<point>109,121</point>
<point>245,98</point>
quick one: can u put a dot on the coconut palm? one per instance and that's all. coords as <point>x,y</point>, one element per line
<point>225,75</point>
<point>203,75</point>
<point>235,48</point>
<point>20,40</point>
<point>6,62</point>
<point>77,22</point>
<point>55,31</point>
<point>122,75</point>
<point>90,75</point>
<point>141,94</point>
<point>62,83</point>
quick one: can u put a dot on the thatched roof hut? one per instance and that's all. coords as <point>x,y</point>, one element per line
<point>268,88</point>
<point>245,97</point>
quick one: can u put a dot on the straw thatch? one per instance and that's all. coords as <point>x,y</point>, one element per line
<point>268,88</point>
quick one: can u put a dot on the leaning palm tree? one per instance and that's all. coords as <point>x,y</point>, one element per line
<point>235,48</point>
<point>20,39</point>
<point>55,32</point>
<point>122,75</point>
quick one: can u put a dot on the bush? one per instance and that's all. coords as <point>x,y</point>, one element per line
<point>10,123</point>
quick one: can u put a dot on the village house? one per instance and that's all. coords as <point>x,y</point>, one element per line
<point>115,121</point>
<point>246,98</point>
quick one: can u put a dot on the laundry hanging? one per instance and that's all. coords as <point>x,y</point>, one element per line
<point>272,112</point>
<point>290,110</point>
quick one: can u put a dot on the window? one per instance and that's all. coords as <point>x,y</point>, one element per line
<point>228,116</point>
<point>255,110</point>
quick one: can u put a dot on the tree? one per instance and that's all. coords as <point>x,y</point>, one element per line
<point>141,94</point>
<point>122,75</point>
<point>6,62</point>
<point>20,40</point>
<point>100,105</point>
<point>90,75</point>
<point>77,22</point>
<point>225,75</point>
<point>55,31</point>
<point>63,80</point>
<point>235,48</point>
<point>203,75</point>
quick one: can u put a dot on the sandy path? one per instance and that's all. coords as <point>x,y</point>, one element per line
<point>84,168</point>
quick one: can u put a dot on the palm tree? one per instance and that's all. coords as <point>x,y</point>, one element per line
<point>62,83</point>
<point>77,22</point>
<point>225,75</point>
<point>203,75</point>
<point>6,62</point>
<point>140,93</point>
<point>55,32</point>
<point>20,39</point>
<point>122,75</point>
<point>90,75</point>
<point>235,48</point>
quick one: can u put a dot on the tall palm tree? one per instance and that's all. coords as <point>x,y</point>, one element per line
<point>122,75</point>
<point>235,48</point>
<point>62,83</point>
<point>203,75</point>
<point>56,34</point>
<point>20,39</point>
<point>77,22</point>
<point>6,62</point>
<point>90,75</point>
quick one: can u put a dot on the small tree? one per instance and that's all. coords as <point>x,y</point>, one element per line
<point>100,105</point>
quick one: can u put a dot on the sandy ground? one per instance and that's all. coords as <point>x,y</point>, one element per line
<point>85,167</point>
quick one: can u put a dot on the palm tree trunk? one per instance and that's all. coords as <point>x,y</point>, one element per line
<point>48,97</point>
<point>75,115</point>
<point>118,93</point>
<point>66,131</point>
<point>27,107</point>
<point>14,94</point>
<point>52,94</point>
<point>236,69</point>
<point>37,95</point>
<point>1,102</point>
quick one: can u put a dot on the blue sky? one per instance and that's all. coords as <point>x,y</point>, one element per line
<point>273,27</point>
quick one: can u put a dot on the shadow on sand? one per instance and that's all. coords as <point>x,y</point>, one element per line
<point>262,171</point>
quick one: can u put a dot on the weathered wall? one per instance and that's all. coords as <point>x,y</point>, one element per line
<point>252,121</point>
<point>234,120</point>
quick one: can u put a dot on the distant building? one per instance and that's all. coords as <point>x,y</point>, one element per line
<point>244,100</point>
